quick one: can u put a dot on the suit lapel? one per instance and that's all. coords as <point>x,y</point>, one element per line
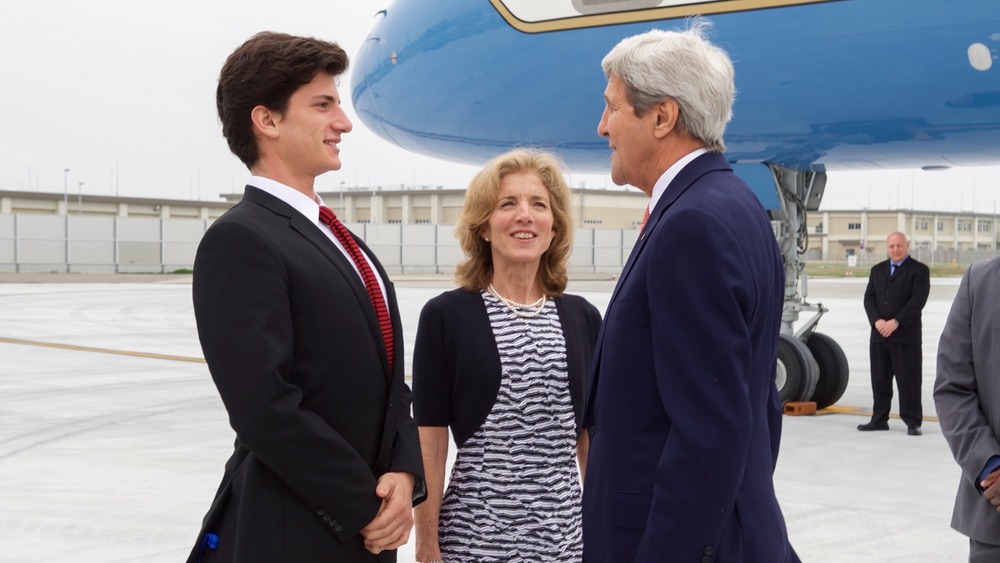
<point>902,268</point>
<point>311,232</point>
<point>681,183</point>
<point>884,278</point>
<point>390,297</point>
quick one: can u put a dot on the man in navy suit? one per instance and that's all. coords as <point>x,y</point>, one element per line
<point>327,463</point>
<point>683,412</point>
<point>896,294</point>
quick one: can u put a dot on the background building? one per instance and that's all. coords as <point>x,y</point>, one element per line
<point>41,203</point>
<point>935,237</point>
<point>436,205</point>
<point>411,229</point>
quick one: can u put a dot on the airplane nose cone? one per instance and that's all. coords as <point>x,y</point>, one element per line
<point>410,78</point>
<point>453,80</point>
<point>367,65</point>
<point>400,82</point>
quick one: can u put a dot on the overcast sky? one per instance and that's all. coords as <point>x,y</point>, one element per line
<point>122,92</point>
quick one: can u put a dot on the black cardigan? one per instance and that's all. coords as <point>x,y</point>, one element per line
<point>456,365</point>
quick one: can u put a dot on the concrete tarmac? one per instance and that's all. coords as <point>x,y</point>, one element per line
<point>113,437</point>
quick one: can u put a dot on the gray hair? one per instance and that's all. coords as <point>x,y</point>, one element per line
<point>683,66</point>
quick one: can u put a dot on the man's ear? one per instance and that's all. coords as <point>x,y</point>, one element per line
<point>667,114</point>
<point>265,122</point>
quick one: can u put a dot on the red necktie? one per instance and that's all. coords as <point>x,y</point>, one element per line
<point>371,282</point>
<point>645,217</point>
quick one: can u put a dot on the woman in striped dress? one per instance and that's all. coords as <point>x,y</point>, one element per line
<point>501,362</point>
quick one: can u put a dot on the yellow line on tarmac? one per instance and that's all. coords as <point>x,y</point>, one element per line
<point>834,409</point>
<point>101,350</point>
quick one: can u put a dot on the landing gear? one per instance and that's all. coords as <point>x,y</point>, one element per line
<point>797,373</point>
<point>811,365</point>
<point>833,369</point>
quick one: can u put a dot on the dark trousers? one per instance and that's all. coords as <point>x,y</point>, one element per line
<point>905,362</point>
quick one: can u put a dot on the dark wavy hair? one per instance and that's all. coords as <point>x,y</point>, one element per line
<point>265,71</point>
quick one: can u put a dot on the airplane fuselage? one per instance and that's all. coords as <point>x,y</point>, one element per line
<point>845,84</point>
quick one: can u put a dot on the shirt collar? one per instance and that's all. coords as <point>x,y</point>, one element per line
<point>661,185</point>
<point>298,200</point>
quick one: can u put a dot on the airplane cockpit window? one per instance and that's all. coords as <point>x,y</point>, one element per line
<point>532,16</point>
<point>606,6</point>
<point>534,11</point>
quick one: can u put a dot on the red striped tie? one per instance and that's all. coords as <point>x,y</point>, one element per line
<point>371,282</point>
<point>645,217</point>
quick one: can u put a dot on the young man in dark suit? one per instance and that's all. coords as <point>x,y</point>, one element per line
<point>300,329</point>
<point>896,294</point>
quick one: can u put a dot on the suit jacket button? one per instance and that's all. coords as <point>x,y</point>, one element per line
<point>708,550</point>
<point>327,517</point>
<point>592,429</point>
<point>320,512</point>
<point>338,528</point>
<point>706,559</point>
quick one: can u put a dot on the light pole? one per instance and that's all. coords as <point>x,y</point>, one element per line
<point>993,228</point>
<point>66,189</point>
<point>342,212</point>
<point>79,198</point>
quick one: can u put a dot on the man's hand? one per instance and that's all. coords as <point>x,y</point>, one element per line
<point>888,327</point>
<point>992,485</point>
<point>391,527</point>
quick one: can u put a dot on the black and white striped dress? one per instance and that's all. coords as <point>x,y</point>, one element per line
<point>514,493</point>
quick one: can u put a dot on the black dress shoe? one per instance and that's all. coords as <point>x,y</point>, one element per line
<point>913,430</point>
<point>868,427</point>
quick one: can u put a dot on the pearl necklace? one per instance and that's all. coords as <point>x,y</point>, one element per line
<point>518,308</point>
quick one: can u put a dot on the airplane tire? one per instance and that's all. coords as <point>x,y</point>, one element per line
<point>797,372</point>
<point>834,371</point>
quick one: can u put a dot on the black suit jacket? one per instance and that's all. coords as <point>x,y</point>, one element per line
<point>294,347</point>
<point>901,296</point>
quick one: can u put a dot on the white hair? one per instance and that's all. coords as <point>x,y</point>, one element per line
<point>680,65</point>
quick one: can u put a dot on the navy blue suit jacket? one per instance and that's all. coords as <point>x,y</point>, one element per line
<point>682,406</point>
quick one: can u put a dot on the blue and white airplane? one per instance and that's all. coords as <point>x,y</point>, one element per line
<point>821,85</point>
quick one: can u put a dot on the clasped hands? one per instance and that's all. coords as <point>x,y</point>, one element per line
<point>886,327</point>
<point>391,527</point>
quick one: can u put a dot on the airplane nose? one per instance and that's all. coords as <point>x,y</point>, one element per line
<point>427,80</point>
<point>366,67</point>
<point>399,87</point>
